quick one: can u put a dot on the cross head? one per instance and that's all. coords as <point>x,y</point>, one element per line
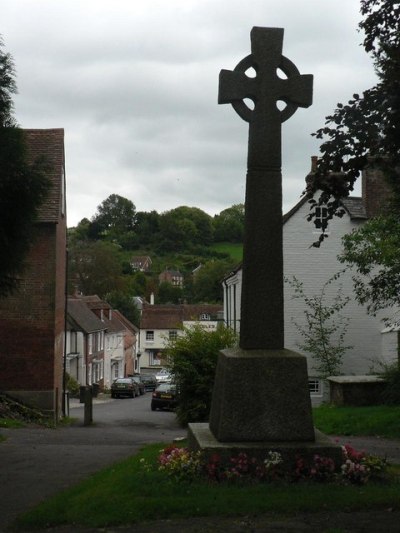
<point>265,90</point>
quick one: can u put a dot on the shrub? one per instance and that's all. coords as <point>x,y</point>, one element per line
<point>391,393</point>
<point>192,362</point>
<point>72,385</point>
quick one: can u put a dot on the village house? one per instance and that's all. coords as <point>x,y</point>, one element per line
<point>161,323</point>
<point>84,343</point>
<point>32,319</point>
<point>108,346</point>
<point>171,276</point>
<point>141,263</point>
<point>370,341</point>
<point>131,337</point>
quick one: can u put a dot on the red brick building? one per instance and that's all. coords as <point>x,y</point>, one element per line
<point>32,320</point>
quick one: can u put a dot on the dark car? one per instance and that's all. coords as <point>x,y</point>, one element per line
<point>164,397</point>
<point>140,384</point>
<point>149,381</point>
<point>124,387</point>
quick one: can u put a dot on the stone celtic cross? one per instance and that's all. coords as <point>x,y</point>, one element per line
<point>262,324</point>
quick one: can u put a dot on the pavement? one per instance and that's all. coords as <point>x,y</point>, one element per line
<point>37,462</point>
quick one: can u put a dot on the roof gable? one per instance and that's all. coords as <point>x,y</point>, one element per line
<point>83,317</point>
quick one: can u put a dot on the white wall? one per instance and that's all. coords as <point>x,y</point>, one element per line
<point>314,266</point>
<point>113,356</point>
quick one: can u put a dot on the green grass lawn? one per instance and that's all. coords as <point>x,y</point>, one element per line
<point>128,493</point>
<point>380,420</point>
<point>235,250</point>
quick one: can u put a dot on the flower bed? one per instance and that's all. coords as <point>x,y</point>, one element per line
<point>184,465</point>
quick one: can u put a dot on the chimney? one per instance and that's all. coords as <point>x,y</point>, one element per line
<point>152,298</point>
<point>376,192</point>
<point>314,160</point>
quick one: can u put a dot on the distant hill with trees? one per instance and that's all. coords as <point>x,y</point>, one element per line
<point>203,248</point>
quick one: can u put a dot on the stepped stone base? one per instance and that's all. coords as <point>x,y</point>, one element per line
<point>261,403</point>
<point>201,438</point>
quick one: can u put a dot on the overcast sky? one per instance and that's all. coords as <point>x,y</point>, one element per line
<point>134,83</point>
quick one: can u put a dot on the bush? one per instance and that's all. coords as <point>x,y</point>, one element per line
<point>72,385</point>
<point>391,393</point>
<point>193,361</point>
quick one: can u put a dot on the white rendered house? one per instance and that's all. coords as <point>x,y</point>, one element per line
<point>370,340</point>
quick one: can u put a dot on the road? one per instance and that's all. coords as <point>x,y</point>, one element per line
<point>38,462</point>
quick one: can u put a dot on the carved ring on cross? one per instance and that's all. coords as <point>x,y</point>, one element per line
<point>286,66</point>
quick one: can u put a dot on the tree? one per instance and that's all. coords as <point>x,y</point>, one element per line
<point>324,327</point>
<point>229,224</point>
<point>23,185</point>
<point>168,293</point>
<point>115,217</point>
<point>184,228</point>
<point>373,250</point>
<point>207,286</point>
<point>124,303</point>
<point>369,124</point>
<point>147,227</point>
<point>193,361</point>
<point>95,268</point>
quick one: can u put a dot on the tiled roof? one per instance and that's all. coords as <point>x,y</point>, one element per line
<point>94,302</point>
<point>355,207</point>
<point>172,316</point>
<point>127,323</point>
<point>141,259</point>
<point>49,143</point>
<point>82,317</point>
<point>114,325</point>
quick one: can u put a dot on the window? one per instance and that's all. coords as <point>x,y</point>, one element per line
<point>90,343</point>
<point>155,357</point>
<point>149,335</point>
<point>173,335</point>
<point>205,316</point>
<point>73,342</point>
<point>315,387</point>
<point>321,217</point>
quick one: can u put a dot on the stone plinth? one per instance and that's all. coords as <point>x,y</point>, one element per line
<point>356,390</point>
<point>261,396</point>
<point>201,438</point>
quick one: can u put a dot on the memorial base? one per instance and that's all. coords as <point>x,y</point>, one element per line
<point>261,395</point>
<point>261,403</point>
<point>201,438</point>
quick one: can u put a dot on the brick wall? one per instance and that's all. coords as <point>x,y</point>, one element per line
<point>32,324</point>
<point>375,191</point>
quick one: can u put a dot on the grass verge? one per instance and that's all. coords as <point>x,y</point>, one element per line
<point>380,420</point>
<point>129,493</point>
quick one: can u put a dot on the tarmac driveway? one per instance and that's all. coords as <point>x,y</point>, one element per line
<point>37,462</point>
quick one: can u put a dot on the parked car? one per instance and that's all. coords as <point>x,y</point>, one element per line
<point>149,381</point>
<point>164,397</point>
<point>163,376</point>
<point>124,387</point>
<point>140,383</point>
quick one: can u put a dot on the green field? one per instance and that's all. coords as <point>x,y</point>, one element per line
<point>235,250</point>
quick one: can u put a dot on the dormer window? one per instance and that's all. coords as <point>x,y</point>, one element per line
<point>321,217</point>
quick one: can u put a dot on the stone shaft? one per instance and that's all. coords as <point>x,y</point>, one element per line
<point>262,289</point>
